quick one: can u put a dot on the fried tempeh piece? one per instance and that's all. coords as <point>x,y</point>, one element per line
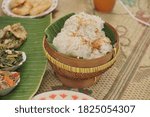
<point>13,36</point>
<point>17,30</point>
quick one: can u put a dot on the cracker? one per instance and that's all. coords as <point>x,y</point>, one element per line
<point>23,10</point>
<point>16,3</point>
<point>43,5</point>
<point>35,3</point>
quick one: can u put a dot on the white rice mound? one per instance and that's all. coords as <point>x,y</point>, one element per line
<point>82,37</point>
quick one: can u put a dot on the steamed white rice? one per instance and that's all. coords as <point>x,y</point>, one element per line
<point>82,36</point>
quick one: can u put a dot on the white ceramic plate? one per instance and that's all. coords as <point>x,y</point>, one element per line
<point>62,95</point>
<point>7,11</point>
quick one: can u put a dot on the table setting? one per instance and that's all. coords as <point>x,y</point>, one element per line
<point>75,50</point>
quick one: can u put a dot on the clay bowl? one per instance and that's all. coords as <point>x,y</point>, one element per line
<point>79,73</point>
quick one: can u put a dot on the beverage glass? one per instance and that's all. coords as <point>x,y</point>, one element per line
<point>104,5</point>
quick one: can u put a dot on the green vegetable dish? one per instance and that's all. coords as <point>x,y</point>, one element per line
<point>9,58</point>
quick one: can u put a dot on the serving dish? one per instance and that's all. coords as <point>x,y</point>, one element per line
<point>33,69</point>
<point>16,66</point>
<point>62,95</point>
<point>75,72</point>
<point>6,91</point>
<point>7,11</point>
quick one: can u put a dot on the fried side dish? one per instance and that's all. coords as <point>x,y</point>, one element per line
<point>16,3</point>
<point>8,79</point>
<point>29,7</point>
<point>23,9</point>
<point>12,36</point>
<point>9,58</point>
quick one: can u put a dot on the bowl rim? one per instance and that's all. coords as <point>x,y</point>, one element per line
<point>59,91</point>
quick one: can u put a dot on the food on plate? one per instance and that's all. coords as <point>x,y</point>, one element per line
<point>8,79</point>
<point>23,10</point>
<point>12,36</point>
<point>10,59</point>
<point>29,7</point>
<point>16,3</point>
<point>39,9</point>
<point>82,37</point>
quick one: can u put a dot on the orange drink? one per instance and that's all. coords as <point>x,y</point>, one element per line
<point>104,5</point>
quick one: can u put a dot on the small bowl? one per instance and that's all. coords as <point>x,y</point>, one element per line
<point>8,90</point>
<point>16,66</point>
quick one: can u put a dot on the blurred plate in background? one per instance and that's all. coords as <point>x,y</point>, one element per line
<point>7,11</point>
<point>62,95</point>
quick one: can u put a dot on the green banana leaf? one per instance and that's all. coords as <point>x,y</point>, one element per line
<point>33,69</point>
<point>52,30</point>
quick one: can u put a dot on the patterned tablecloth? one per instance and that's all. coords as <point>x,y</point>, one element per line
<point>129,77</point>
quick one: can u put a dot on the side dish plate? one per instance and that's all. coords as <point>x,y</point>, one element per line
<point>62,95</point>
<point>7,11</point>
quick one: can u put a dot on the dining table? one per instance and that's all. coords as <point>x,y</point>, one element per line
<point>129,77</point>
